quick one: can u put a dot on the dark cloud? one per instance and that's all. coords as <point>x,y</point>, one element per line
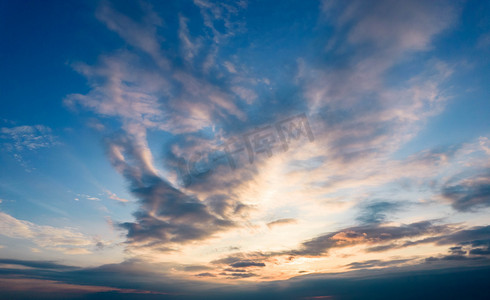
<point>138,282</point>
<point>471,241</point>
<point>205,275</point>
<point>466,244</point>
<point>472,236</point>
<point>381,248</point>
<point>239,275</point>
<point>368,234</point>
<point>36,264</point>
<point>457,253</point>
<point>480,251</point>
<point>229,259</point>
<point>454,255</point>
<point>132,278</point>
<point>235,270</point>
<point>474,241</point>
<point>194,268</point>
<point>239,263</point>
<point>469,194</point>
<point>375,212</point>
<point>375,263</point>
<point>225,205</point>
<point>166,214</point>
<point>247,263</point>
<point>457,250</point>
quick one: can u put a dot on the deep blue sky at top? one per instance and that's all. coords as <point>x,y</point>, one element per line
<point>40,40</point>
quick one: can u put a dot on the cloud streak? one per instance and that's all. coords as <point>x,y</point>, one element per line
<point>64,240</point>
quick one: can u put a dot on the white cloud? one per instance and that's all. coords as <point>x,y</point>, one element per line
<point>246,94</point>
<point>188,46</point>
<point>64,240</point>
<point>140,35</point>
<point>88,197</point>
<point>485,144</point>
<point>230,67</point>
<point>113,196</point>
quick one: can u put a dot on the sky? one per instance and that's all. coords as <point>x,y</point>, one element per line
<point>244,149</point>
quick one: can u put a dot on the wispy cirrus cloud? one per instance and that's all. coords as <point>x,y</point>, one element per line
<point>22,138</point>
<point>19,140</point>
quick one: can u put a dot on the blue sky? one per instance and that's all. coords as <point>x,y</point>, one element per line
<point>168,140</point>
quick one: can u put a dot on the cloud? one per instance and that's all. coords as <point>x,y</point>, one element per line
<point>375,212</point>
<point>179,99</point>
<point>189,48</point>
<point>246,94</point>
<point>379,34</point>
<point>211,12</point>
<point>166,215</point>
<point>368,234</point>
<point>88,197</point>
<point>134,280</point>
<point>376,263</point>
<point>469,194</point>
<point>463,241</point>
<point>193,268</point>
<point>164,96</point>
<point>239,275</point>
<point>140,35</point>
<point>474,236</point>
<point>23,138</point>
<point>485,144</point>
<point>50,289</point>
<point>281,222</point>
<point>36,264</point>
<point>366,119</point>
<point>113,196</point>
<point>199,94</point>
<point>230,67</point>
<point>64,240</point>
<point>436,156</point>
<point>205,275</point>
<point>247,263</point>
<point>406,26</point>
<point>465,251</point>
